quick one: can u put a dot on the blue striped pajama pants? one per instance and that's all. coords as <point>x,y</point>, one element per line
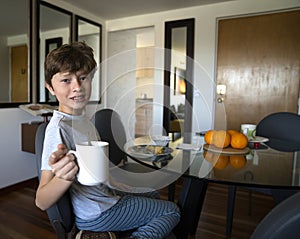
<point>152,218</point>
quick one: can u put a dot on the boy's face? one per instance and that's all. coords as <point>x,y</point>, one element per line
<point>72,90</point>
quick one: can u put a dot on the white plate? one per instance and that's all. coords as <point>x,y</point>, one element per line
<point>259,139</point>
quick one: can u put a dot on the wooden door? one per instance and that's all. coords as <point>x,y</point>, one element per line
<point>19,74</point>
<point>258,59</point>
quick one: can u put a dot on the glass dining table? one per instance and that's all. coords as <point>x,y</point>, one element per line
<point>260,166</point>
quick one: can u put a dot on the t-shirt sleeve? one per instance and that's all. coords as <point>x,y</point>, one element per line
<point>52,139</point>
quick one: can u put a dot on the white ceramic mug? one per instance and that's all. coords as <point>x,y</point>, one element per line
<point>249,130</point>
<point>93,162</point>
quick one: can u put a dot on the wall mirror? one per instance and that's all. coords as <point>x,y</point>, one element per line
<point>54,25</point>
<point>178,78</point>
<point>14,53</point>
<point>90,32</point>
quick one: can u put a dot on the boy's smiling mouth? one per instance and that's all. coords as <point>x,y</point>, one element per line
<point>78,98</point>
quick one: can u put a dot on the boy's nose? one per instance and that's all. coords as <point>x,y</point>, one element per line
<point>76,85</point>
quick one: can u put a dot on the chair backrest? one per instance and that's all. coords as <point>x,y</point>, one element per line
<point>110,128</point>
<point>280,125</point>
<point>61,213</point>
<point>39,143</point>
<point>282,221</point>
<point>283,129</point>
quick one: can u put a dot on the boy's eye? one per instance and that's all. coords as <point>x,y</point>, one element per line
<point>65,80</point>
<point>82,77</point>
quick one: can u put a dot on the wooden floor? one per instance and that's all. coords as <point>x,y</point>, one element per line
<point>20,219</point>
<point>212,224</point>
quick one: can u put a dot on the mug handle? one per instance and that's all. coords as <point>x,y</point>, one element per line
<point>75,155</point>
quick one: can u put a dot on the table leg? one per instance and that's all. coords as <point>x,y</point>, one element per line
<point>171,191</point>
<point>230,209</point>
<point>190,201</point>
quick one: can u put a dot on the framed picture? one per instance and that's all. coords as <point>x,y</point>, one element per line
<point>179,81</point>
<point>51,44</point>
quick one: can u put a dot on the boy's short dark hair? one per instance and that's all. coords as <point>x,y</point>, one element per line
<point>69,58</point>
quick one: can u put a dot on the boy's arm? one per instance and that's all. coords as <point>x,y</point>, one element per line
<point>53,184</point>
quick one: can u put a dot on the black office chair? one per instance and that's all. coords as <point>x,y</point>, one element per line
<point>281,222</point>
<point>111,129</point>
<point>283,131</point>
<point>61,213</point>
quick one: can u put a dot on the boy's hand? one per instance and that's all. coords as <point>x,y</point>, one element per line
<point>63,165</point>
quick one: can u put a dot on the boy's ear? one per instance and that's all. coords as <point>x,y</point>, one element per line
<point>50,89</point>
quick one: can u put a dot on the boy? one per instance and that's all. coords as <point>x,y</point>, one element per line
<point>68,75</point>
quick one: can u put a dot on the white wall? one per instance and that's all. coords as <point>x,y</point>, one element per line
<point>205,42</point>
<point>121,79</point>
<point>16,166</point>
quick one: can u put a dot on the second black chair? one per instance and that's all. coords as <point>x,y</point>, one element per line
<point>283,131</point>
<point>282,222</point>
<point>111,129</point>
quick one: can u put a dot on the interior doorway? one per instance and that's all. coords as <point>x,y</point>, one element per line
<point>130,84</point>
<point>19,74</point>
<point>258,60</point>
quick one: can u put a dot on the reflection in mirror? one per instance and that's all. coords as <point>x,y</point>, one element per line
<point>14,49</point>
<point>177,81</point>
<point>179,44</point>
<point>90,33</point>
<point>54,30</point>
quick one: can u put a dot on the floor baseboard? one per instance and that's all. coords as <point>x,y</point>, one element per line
<point>32,182</point>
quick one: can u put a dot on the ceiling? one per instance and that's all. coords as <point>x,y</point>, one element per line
<point>13,18</point>
<point>113,9</point>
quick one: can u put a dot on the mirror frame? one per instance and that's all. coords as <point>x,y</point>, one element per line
<point>76,37</point>
<point>190,39</point>
<point>38,50</point>
<point>30,66</point>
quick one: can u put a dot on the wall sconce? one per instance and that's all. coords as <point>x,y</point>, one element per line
<point>221,91</point>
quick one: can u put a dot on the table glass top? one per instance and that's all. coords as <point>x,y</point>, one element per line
<point>263,166</point>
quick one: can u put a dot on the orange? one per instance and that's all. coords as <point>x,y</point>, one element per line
<point>237,161</point>
<point>221,161</point>
<point>238,141</point>
<point>208,137</point>
<point>232,131</point>
<point>209,156</point>
<point>221,139</point>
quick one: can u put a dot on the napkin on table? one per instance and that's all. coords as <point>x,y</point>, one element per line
<point>185,146</point>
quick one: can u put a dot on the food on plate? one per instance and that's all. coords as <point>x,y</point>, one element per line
<point>223,139</point>
<point>155,149</point>
<point>239,141</point>
<point>34,107</point>
<point>232,131</point>
<point>150,149</point>
<point>208,137</point>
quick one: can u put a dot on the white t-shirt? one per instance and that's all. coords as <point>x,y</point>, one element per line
<point>88,201</point>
